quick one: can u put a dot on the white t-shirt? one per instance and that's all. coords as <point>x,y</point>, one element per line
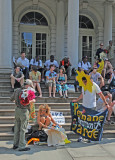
<point>24,62</point>
<point>95,77</point>
<point>48,63</point>
<point>84,66</point>
<point>32,62</point>
<point>89,98</point>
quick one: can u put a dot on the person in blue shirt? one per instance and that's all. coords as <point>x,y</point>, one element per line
<point>24,64</point>
<point>51,80</point>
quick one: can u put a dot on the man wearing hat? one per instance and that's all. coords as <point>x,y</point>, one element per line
<point>21,117</point>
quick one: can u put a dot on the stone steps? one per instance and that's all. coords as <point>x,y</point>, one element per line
<point>11,120</point>
<point>7,109</point>
<point>8,88</point>
<point>66,126</point>
<point>10,112</point>
<point>44,94</point>
<point>43,100</point>
<point>6,136</point>
<point>52,105</point>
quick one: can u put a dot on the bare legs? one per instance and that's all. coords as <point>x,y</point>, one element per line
<point>51,86</point>
<point>38,88</point>
<point>46,121</point>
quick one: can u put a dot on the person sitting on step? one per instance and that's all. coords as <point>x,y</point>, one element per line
<point>35,76</point>
<point>17,78</point>
<point>24,64</point>
<point>51,80</point>
<point>61,85</point>
<point>100,106</point>
<point>85,65</point>
<point>67,65</point>
<point>46,121</point>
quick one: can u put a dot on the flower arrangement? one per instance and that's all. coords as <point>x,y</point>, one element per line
<point>26,96</point>
<point>52,74</point>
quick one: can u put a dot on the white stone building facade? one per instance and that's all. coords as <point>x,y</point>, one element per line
<point>72,28</point>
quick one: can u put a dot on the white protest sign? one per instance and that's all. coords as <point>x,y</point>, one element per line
<point>58,117</point>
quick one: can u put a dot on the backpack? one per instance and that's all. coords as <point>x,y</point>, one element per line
<point>38,134</point>
<point>87,64</point>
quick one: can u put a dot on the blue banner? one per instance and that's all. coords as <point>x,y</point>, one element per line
<point>86,122</point>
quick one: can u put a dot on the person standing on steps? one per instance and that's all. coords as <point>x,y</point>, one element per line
<point>21,117</point>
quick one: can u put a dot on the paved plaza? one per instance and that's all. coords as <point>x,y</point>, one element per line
<point>74,151</point>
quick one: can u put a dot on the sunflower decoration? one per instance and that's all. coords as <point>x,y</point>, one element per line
<point>89,84</point>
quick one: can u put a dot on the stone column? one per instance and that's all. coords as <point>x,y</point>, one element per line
<point>108,22</point>
<point>52,40</point>
<point>5,35</point>
<point>16,39</point>
<point>73,31</point>
<point>60,30</point>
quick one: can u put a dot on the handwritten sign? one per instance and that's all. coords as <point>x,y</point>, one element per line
<point>58,117</point>
<point>86,122</point>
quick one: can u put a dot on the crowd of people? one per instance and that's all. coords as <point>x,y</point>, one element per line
<point>55,76</point>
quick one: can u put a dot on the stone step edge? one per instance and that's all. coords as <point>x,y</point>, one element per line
<point>12,110</point>
<point>10,134</point>
<point>13,117</point>
<point>43,98</point>
<point>32,124</point>
<point>37,104</point>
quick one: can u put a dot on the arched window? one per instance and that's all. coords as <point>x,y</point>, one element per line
<point>34,18</point>
<point>85,22</point>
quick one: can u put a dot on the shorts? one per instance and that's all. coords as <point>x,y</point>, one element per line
<point>51,84</point>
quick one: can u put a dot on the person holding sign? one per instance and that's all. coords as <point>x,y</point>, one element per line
<point>89,91</point>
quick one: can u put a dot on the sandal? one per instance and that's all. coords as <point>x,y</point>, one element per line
<point>40,96</point>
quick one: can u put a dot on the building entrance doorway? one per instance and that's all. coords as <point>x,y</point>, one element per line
<point>34,35</point>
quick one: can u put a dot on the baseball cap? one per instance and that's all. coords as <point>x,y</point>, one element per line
<point>28,82</point>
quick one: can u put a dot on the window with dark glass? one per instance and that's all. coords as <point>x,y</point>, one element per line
<point>34,18</point>
<point>85,22</point>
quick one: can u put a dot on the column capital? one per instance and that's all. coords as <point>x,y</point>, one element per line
<point>61,1</point>
<point>109,2</point>
<point>85,4</point>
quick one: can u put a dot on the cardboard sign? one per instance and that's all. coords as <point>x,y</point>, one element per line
<point>58,117</point>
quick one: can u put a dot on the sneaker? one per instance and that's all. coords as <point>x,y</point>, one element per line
<point>24,149</point>
<point>89,141</point>
<point>109,122</point>
<point>12,90</point>
<point>79,140</point>
<point>15,147</point>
